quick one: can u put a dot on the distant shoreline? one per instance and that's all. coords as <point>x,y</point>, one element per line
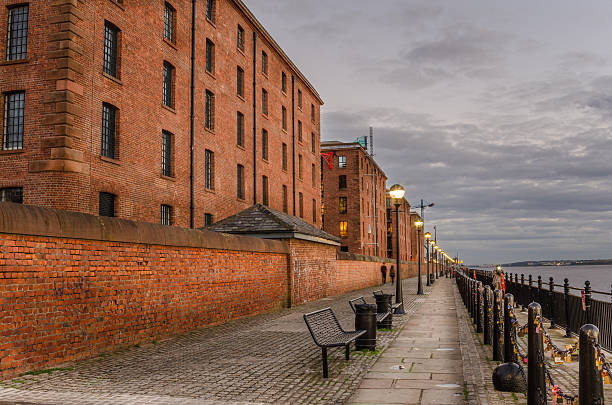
<point>552,263</point>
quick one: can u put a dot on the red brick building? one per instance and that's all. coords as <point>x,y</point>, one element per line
<point>414,233</point>
<point>354,198</point>
<point>106,112</point>
<point>405,235</point>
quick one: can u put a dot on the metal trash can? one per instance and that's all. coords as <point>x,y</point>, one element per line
<point>365,319</point>
<point>383,305</point>
<point>432,278</point>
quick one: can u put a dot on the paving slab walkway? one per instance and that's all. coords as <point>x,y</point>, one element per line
<point>269,358</point>
<point>423,365</point>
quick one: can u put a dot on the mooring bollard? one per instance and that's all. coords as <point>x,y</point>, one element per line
<point>523,300</point>
<point>479,307</point>
<point>487,316</point>
<point>566,290</point>
<point>587,300</point>
<point>590,390</point>
<point>509,353</point>
<point>536,384</point>
<point>551,301</point>
<point>498,337</point>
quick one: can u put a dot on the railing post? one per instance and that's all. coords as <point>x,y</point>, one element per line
<point>470,298</point>
<point>530,299</point>
<point>487,315</point>
<point>590,389</point>
<point>498,337</point>
<point>551,301</point>
<point>509,354</point>
<point>567,307</point>
<point>479,307</point>
<point>475,301</point>
<point>536,384</point>
<point>587,300</point>
<point>539,298</point>
<point>523,300</point>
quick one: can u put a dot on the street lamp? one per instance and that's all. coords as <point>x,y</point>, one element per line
<point>427,237</point>
<point>397,193</point>
<point>419,224</point>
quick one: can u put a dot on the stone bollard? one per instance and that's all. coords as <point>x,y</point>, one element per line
<point>590,389</point>
<point>498,326</point>
<point>479,307</point>
<point>487,315</point>
<point>365,319</point>
<point>509,351</point>
<point>536,384</point>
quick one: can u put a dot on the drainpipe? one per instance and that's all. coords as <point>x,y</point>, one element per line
<point>255,117</point>
<point>192,113</point>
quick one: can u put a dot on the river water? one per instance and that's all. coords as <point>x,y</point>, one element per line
<point>599,276</point>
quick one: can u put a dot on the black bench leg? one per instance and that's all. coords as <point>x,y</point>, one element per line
<point>347,352</point>
<point>324,353</point>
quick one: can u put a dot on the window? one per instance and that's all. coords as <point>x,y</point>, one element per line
<point>240,129</point>
<point>168,87</point>
<point>284,82</point>
<point>264,189</point>
<point>344,248</point>
<point>314,211</point>
<point>240,38</point>
<point>264,63</point>
<point>312,113</point>
<point>264,101</point>
<point>312,142</point>
<point>209,111</point>
<point>109,130</point>
<point>264,144</point>
<point>169,23</point>
<point>299,130</point>
<point>343,228</point>
<point>210,56</point>
<point>12,194</point>
<point>17,37</point>
<point>341,161</point>
<point>342,181</point>
<point>314,175</point>
<point>208,219</point>
<point>111,46</point>
<point>342,205</point>
<point>240,81</point>
<point>300,167</point>
<point>209,169</point>
<point>240,182</point>
<point>300,99</point>
<point>107,205</point>
<point>301,204</point>
<point>166,214</point>
<point>166,153</point>
<point>284,156</point>
<point>284,118</point>
<point>210,10</point>
<point>12,128</point>
<point>284,198</point>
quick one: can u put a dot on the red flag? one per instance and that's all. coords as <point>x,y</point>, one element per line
<point>327,156</point>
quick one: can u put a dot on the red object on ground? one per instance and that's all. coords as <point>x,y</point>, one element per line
<point>503,283</point>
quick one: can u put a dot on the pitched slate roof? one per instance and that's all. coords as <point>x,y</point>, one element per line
<point>265,222</point>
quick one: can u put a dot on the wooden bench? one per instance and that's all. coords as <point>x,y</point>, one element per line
<point>360,300</point>
<point>327,332</point>
<point>394,305</point>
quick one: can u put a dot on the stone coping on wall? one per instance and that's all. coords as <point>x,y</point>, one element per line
<point>363,258</point>
<point>38,221</point>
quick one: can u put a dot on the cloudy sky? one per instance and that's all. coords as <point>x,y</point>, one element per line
<point>499,112</point>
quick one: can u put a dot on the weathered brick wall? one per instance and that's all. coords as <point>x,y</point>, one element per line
<point>313,270</point>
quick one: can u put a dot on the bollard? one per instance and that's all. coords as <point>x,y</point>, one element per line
<point>383,305</point>
<point>365,319</point>
<point>479,307</point>
<point>567,313</point>
<point>509,354</point>
<point>475,300</point>
<point>498,337</point>
<point>487,316</point>
<point>536,384</point>
<point>590,390</point>
<point>530,290</point>
<point>523,300</point>
<point>539,297</point>
<point>587,300</point>
<point>551,301</point>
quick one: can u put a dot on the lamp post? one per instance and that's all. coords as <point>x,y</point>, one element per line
<point>419,224</point>
<point>397,193</point>
<point>427,237</point>
<point>435,252</point>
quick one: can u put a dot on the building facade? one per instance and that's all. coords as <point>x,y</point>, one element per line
<point>354,198</point>
<point>417,248</point>
<point>154,111</point>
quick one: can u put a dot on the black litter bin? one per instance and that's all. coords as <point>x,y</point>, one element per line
<point>365,319</point>
<point>383,305</point>
<point>432,278</point>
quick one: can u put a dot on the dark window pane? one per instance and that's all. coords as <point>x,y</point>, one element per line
<point>300,98</point>
<point>299,130</point>
<point>284,118</point>
<point>264,62</point>
<point>285,199</point>
<point>209,114</point>
<point>208,219</point>
<point>210,56</point>
<point>12,194</point>
<point>264,144</point>
<point>240,81</point>
<point>240,38</point>
<point>312,142</point>
<point>107,205</point>
<point>240,129</point>
<point>209,169</point>
<point>284,157</point>
<point>314,210</point>
<point>284,82</point>
<point>109,127</point>
<point>342,208</point>
<point>168,93</point>
<point>264,101</point>
<point>12,129</point>
<point>342,181</point>
<point>166,153</point>
<point>264,189</point>
<point>210,10</point>
<point>169,23</point>
<point>301,204</point>
<point>17,38</point>
<point>166,214</point>
<point>240,182</point>
<point>109,63</point>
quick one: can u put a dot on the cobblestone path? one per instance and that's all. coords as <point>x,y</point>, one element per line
<point>269,358</point>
